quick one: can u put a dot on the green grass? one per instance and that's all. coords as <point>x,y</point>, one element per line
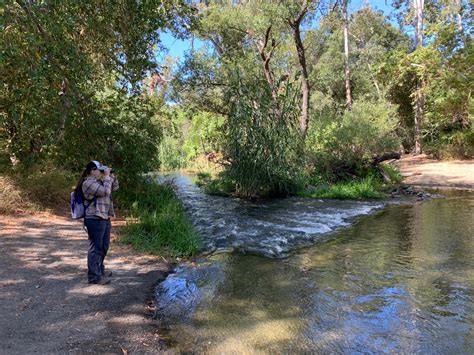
<point>367,188</point>
<point>157,223</point>
<point>393,173</point>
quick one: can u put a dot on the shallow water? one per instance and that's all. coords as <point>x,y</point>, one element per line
<point>399,281</point>
<point>271,228</point>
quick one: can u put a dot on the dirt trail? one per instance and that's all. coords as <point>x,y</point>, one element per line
<point>46,304</point>
<point>422,171</point>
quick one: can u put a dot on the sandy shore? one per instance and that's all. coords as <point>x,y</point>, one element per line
<point>425,172</point>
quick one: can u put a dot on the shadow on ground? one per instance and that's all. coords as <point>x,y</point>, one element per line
<point>46,304</point>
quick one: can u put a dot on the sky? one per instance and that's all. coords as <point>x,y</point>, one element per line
<point>176,47</point>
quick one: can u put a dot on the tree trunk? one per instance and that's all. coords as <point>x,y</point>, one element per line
<point>347,71</point>
<point>419,5</point>
<point>305,87</point>
<point>266,56</point>
<point>64,109</point>
<point>419,111</point>
<point>419,97</point>
<point>459,20</point>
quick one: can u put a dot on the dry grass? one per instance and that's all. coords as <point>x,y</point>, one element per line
<point>35,192</point>
<point>11,197</point>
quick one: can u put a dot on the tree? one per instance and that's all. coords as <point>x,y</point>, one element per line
<point>419,96</point>
<point>295,24</point>
<point>347,71</point>
<point>60,61</point>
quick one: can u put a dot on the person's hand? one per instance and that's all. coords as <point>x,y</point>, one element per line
<point>107,172</point>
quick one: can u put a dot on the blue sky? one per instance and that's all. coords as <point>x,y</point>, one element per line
<point>176,47</point>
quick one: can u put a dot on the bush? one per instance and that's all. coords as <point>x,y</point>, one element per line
<point>341,148</point>
<point>220,186</point>
<point>392,172</point>
<point>457,145</point>
<point>188,137</point>
<point>11,196</point>
<point>157,222</point>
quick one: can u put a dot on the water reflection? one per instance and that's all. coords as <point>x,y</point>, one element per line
<point>401,281</point>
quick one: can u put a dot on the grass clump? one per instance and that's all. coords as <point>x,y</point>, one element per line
<point>157,222</point>
<point>392,173</point>
<point>11,196</point>
<point>367,188</point>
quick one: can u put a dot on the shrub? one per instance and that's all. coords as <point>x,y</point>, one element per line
<point>341,147</point>
<point>36,190</point>
<point>457,145</point>
<point>392,172</point>
<point>220,186</point>
<point>11,196</point>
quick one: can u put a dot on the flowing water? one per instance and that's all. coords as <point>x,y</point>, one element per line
<point>400,280</point>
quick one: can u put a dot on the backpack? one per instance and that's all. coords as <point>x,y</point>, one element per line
<point>78,209</point>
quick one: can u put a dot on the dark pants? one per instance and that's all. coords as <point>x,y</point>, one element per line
<point>99,240</point>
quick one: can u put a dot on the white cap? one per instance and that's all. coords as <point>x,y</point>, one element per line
<point>99,165</point>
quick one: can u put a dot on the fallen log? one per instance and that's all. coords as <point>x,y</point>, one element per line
<point>387,156</point>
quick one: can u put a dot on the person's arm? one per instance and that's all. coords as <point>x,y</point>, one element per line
<point>94,188</point>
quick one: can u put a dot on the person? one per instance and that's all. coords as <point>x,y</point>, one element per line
<point>97,191</point>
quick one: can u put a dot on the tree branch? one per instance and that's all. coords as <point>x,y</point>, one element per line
<point>33,19</point>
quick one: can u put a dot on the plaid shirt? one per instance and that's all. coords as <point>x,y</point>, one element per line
<point>102,190</point>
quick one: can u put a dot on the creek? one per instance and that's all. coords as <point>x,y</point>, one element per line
<point>305,275</point>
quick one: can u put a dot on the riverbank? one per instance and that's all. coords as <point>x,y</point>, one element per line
<point>423,171</point>
<point>46,304</point>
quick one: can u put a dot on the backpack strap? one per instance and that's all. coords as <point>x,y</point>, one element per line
<point>94,199</point>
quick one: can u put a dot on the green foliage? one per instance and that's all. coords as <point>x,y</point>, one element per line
<point>442,67</point>
<point>373,39</point>
<point>220,186</point>
<point>126,136</point>
<point>367,188</point>
<point>71,74</point>
<point>455,145</point>
<point>262,144</point>
<point>36,190</point>
<point>188,136</point>
<point>157,222</point>
<point>173,123</point>
<point>392,172</point>
<point>204,135</point>
<point>339,147</point>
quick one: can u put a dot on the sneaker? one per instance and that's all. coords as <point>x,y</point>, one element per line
<point>107,274</point>
<point>100,282</point>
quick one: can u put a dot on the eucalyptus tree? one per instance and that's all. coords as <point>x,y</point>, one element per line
<point>347,71</point>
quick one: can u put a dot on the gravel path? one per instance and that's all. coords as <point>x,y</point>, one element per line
<point>423,171</point>
<point>46,304</point>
